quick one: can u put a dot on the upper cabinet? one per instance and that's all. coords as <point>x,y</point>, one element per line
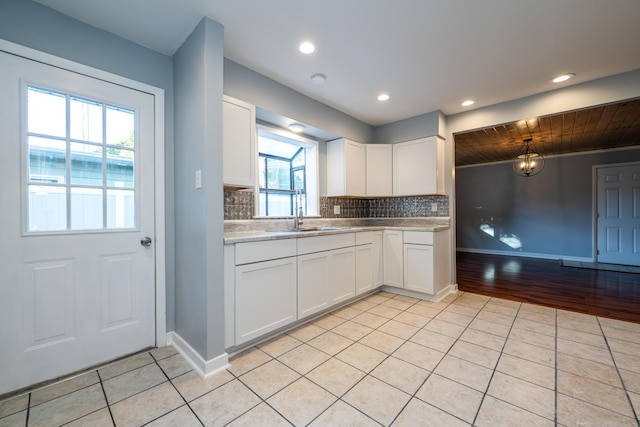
<point>418,167</point>
<point>239,143</point>
<point>379,170</point>
<point>346,168</point>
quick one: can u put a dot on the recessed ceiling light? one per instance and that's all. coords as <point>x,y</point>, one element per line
<point>562,78</point>
<point>383,97</point>
<point>468,102</point>
<point>306,47</point>
<point>318,79</point>
<point>296,127</point>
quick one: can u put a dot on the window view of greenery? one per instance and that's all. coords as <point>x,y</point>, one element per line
<point>281,169</point>
<point>81,160</point>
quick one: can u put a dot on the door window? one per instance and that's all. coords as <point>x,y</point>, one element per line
<point>81,157</point>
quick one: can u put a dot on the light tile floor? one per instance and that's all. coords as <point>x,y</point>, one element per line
<point>385,360</point>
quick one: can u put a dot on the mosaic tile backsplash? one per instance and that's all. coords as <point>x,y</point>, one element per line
<point>240,205</point>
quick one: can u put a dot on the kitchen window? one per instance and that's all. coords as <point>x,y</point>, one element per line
<point>286,163</point>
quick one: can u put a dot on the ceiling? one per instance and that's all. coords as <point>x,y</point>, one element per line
<point>427,55</point>
<point>597,128</point>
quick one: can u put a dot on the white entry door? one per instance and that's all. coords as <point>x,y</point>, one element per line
<point>618,218</point>
<point>77,286</point>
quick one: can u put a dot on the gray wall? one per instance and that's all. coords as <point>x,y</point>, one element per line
<point>552,212</point>
<point>199,293</point>
<point>408,129</point>
<point>38,27</point>
<point>249,86</point>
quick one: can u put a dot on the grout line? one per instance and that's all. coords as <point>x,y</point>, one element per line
<point>615,364</point>
<point>176,389</point>
<point>29,410</point>
<point>106,399</point>
<point>506,338</point>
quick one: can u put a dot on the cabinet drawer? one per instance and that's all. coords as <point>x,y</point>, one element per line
<point>307,245</point>
<point>262,251</point>
<point>418,237</point>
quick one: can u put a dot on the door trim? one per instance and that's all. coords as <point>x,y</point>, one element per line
<point>159,170</point>
<point>594,200</point>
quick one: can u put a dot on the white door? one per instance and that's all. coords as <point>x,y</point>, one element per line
<point>76,199</point>
<point>618,216</point>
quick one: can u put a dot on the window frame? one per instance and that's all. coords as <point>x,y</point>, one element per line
<point>310,168</point>
<point>67,183</point>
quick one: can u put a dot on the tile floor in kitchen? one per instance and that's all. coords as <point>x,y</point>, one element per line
<point>385,360</point>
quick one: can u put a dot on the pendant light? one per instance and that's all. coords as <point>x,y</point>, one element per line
<point>529,163</point>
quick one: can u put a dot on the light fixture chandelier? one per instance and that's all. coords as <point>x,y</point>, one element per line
<point>529,163</point>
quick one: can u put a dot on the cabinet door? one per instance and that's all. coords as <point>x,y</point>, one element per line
<point>376,259</point>
<point>379,170</point>
<point>239,142</point>
<point>342,274</point>
<point>364,268</point>
<point>392,257</point>
<point>355,169</point>
<point>313,281</point>
<point>265,297</point>
<point>346,168</point>
<point>415,167</point>
<point>418,268</point>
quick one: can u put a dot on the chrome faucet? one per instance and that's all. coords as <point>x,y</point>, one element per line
<point>298,216</point>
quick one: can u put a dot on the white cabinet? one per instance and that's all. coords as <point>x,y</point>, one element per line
<point>368,261</point>
<point>326,272</point>
<point>346,168</point>
<point>364,268</point>
<point>265,297</point>
<point>376,253</point>
<point>418,167</point>
<point>426,261</point>
<point>342,275</point>
<point>260,288</point>
<point>418,268</point>
<point>324,279</point>
<point>416,260</point>
<point>239,143</point>
<point>379,170</point>
<point>313,283</point>
<point>392,255</point>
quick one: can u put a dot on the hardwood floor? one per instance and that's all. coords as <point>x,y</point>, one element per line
<point>545,282</point>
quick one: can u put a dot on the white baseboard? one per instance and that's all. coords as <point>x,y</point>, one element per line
<point>204,368</point>
<point>449,289</point>
<point>525,254</point>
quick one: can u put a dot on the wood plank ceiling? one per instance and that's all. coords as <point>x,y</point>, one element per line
<point>597,128</point>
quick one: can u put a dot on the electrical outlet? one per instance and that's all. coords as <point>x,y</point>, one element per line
<point>336,209</point>
<point>434,207</point>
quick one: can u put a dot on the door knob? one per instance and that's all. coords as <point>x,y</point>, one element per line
<point>146,241</point>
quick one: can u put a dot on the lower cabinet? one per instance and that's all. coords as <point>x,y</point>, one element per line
<point>376,251</point>
<point>364,268</point>
<point>342,275</point>
<point>265,297</point>
<point>418,268</point>
<point>313,279</point>
<point>368,261</point>
<point>324,279</point>
<point>392,255</point>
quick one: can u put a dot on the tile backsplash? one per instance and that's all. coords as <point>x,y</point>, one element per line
<point>388,207</point>
<point>238,204</point>
<point>241,205</point>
